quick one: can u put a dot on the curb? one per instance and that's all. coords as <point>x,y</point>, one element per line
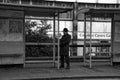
<point>77,77</point>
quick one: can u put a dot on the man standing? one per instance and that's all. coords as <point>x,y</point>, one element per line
<point>64,49</point>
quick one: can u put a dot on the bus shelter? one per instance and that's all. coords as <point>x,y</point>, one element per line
<point>104,13</point>
<point>12,21</point>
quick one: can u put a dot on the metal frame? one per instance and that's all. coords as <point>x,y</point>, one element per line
<point>84,49</point>
<point>54,43</point>
<point>24,36</point>
<point>54,50</point>
<point>44,12</point>
<point>90,14</point>
<point>90,42</point>
<point>58,57</point>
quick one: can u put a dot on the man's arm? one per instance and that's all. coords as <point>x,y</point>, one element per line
<point>65,40</point>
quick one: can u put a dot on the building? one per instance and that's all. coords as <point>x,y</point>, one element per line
<point>59,14</point>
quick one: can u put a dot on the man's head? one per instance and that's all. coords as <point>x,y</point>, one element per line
<point>65,30</point>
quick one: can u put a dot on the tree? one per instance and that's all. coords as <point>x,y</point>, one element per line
<point>36,31</point>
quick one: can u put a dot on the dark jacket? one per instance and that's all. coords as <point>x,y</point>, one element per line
<point>64,44</point>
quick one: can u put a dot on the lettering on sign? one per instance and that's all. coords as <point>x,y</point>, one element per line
<point>95,35</point>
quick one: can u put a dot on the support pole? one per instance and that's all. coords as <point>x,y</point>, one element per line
<point>90,41</point>
<point>112,38</point>
<point>24,39</point>
<point>54,50</point>
<point>58,44</point>
<point>84,49</point>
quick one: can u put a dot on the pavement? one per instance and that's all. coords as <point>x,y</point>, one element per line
<point>46,71</point>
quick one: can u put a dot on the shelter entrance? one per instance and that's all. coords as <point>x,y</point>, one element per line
<point>41,29</point>
<point>41,40</point>
<point>25,33</point>
<point>114,44</point>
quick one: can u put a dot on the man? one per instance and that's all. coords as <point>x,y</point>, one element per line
<point>64,49</point>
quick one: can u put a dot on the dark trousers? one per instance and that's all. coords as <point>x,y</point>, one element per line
<point>64,59</point>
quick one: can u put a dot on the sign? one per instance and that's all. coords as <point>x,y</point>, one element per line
<point>94,35</point>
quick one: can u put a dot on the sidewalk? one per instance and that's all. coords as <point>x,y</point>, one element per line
<point>44,71</point>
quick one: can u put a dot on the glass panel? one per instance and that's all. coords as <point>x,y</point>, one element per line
<point>40,2</point>
<point>64,24</point>
<point>101,26</point>
<point>79,51</point>
<point>13,1</point>
<point>87,1</point>
<point>39,51</point>
<point>69,25</point>
<point>38,31</point>
<point>100,30</point>
<point>25,1</point>
<point>107,1</point>
<point>42,30</point>
<point>80,26</point>
<point>73,51</point>
<point>67,0</point>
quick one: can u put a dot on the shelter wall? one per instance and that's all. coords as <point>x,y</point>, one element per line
<point>11,37</point>
<point>116,38</point>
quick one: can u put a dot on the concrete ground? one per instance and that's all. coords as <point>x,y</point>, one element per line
<point>46,71</point>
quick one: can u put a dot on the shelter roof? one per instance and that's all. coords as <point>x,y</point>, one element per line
<point>36,10</point>
<point>100,12</point>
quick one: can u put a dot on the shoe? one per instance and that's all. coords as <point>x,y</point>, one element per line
<point>67,67</point>
<point>61,66</point>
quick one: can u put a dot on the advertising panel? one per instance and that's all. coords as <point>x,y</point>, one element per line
<point>96,35</point>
